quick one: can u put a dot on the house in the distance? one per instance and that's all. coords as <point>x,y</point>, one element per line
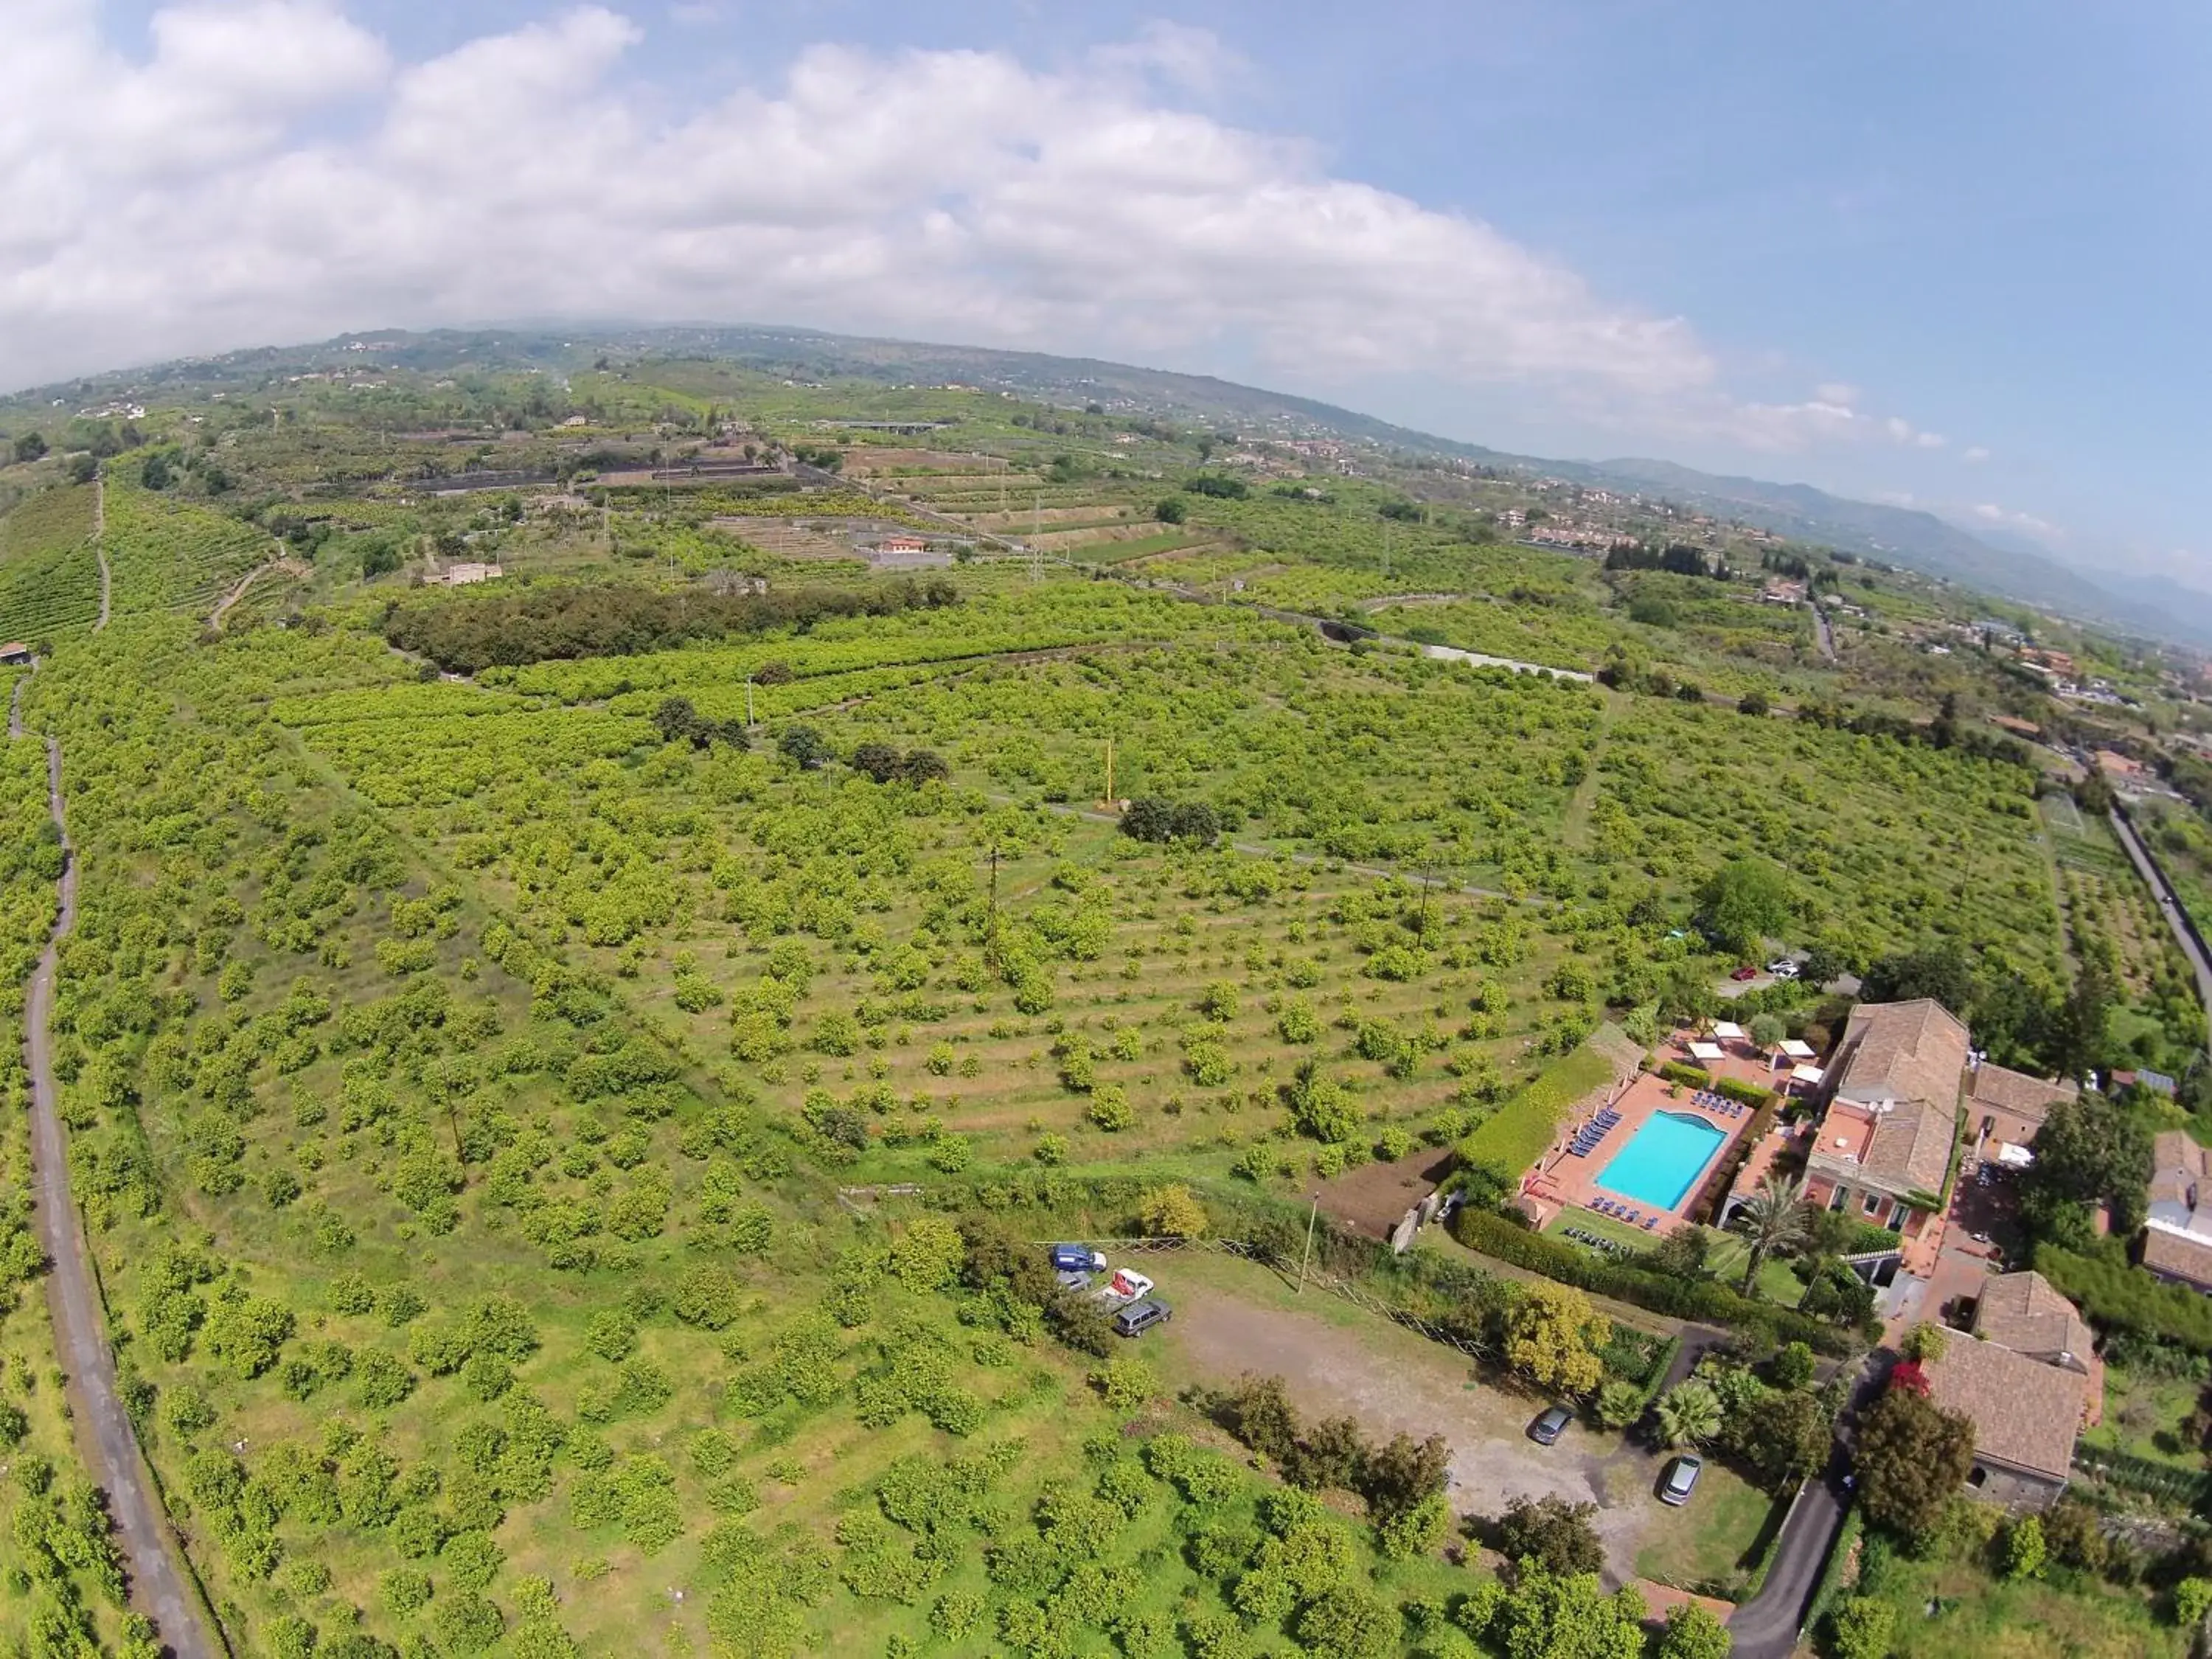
<point>15,654</point>
<point>2178,1236</point>
<point>1883,1153</point>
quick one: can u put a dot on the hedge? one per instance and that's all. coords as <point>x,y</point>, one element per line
<point>2119,1297</point>
<point>1715,1191</point>
<point>1690,1077</point>
<point>1515,1136</point>
<point>1704,1300</point>
<point>1744,1094</point>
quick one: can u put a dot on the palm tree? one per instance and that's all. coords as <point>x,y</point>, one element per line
<point>1773,1218</point>
<point>1689,1415</point>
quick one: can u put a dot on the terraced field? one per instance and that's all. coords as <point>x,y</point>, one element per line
<point>49,573</point>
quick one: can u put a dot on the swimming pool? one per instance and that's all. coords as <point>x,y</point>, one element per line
<point>1664,1159</point>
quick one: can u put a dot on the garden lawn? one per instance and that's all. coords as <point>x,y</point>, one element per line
<point>2143,1415</point>
<point>1710,1537</point>
<point>1778,1280</point>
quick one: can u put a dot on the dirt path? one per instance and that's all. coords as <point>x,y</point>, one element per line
<point>99,549</point>
<point>287,565</point>
<point>103,1429</point>
<point>1393,1381</point>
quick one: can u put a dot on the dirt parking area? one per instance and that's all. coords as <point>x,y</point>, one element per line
<point>1335,1361</point>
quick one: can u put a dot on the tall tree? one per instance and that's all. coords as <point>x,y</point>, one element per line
<point>1773,1218</point>
<point>1746,900</point>
<point>2089,1150</point>
<point>1549,1333</point>
<point>1912,1455</point>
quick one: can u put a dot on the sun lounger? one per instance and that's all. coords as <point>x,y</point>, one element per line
<point>1650,1222</point>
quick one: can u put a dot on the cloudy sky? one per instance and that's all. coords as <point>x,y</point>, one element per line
<point>1949,254</point>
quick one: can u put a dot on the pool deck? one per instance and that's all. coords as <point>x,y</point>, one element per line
<point>1561,1180</point>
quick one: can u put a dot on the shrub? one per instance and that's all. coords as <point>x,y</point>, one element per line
<point>1172,1212</point>
<point>1549,1530</point>
<point>1109,1109</point>
<point>1862,1628</point>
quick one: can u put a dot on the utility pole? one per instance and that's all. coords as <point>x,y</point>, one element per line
<point>1311,1219</point>
<point>749,702</point>
<point>1109,773</point>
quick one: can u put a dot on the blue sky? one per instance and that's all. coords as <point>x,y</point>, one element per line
<point>1976,227</point>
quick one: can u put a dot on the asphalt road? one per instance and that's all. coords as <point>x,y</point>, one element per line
<point>157,1584</point>
<point>1766,1627</point>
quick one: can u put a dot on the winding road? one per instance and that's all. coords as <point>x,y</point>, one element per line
<point>104,1428</point>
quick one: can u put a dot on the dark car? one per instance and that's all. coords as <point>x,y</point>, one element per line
<point>1546,1429</point>
<point>1745,972</point>
<point>1681,1480</point>
<point>1077,1259</point>
<point>1140,1317</point>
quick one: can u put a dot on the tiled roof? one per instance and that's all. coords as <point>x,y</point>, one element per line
<point>1909,1057</point>
<point>2024,1414</point>
<point>2184,1255</point>
<point>2178,1165</point>
<point>2022,1312</point>
<point>2024,1097</point>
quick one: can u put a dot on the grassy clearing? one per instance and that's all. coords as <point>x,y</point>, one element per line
<point>1713,1536</point>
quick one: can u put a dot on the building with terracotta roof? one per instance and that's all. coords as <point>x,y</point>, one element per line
<point>2178,1234</point>
<point>2025,1416</point>
<point>1883,1153</point>
<point>2005,1107</point>
<point>2025,1312</point>
<point>2179,1257</point>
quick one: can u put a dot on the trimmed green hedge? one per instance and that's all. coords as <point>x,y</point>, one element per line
<point>1704,1300</point>
<point>1690,1077</point>
<point>1744,1094</point>
<point>2116,1296</point>
<point>1515,1136</point>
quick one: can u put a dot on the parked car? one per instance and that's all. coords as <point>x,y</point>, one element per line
<point>1078,1259</point>
<point>1074,1278</point>
<point>1123,1288</point>
<point>1548,1427</point>
<point>1783,968</point>
<point>1745,972</point>
<point>1140,1317</point>
<point>1681,1480</point>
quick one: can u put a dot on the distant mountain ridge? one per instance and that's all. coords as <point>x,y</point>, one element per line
<point>1909,537</point>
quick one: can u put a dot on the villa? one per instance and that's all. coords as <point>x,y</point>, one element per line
<point>1883,1150</point>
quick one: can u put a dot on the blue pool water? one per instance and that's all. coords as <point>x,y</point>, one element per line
<point>1663,1160</point>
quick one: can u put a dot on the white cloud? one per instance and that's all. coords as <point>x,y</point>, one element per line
<point>200,200</point>
<point>270,173</point>
<point>1977,454</point>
